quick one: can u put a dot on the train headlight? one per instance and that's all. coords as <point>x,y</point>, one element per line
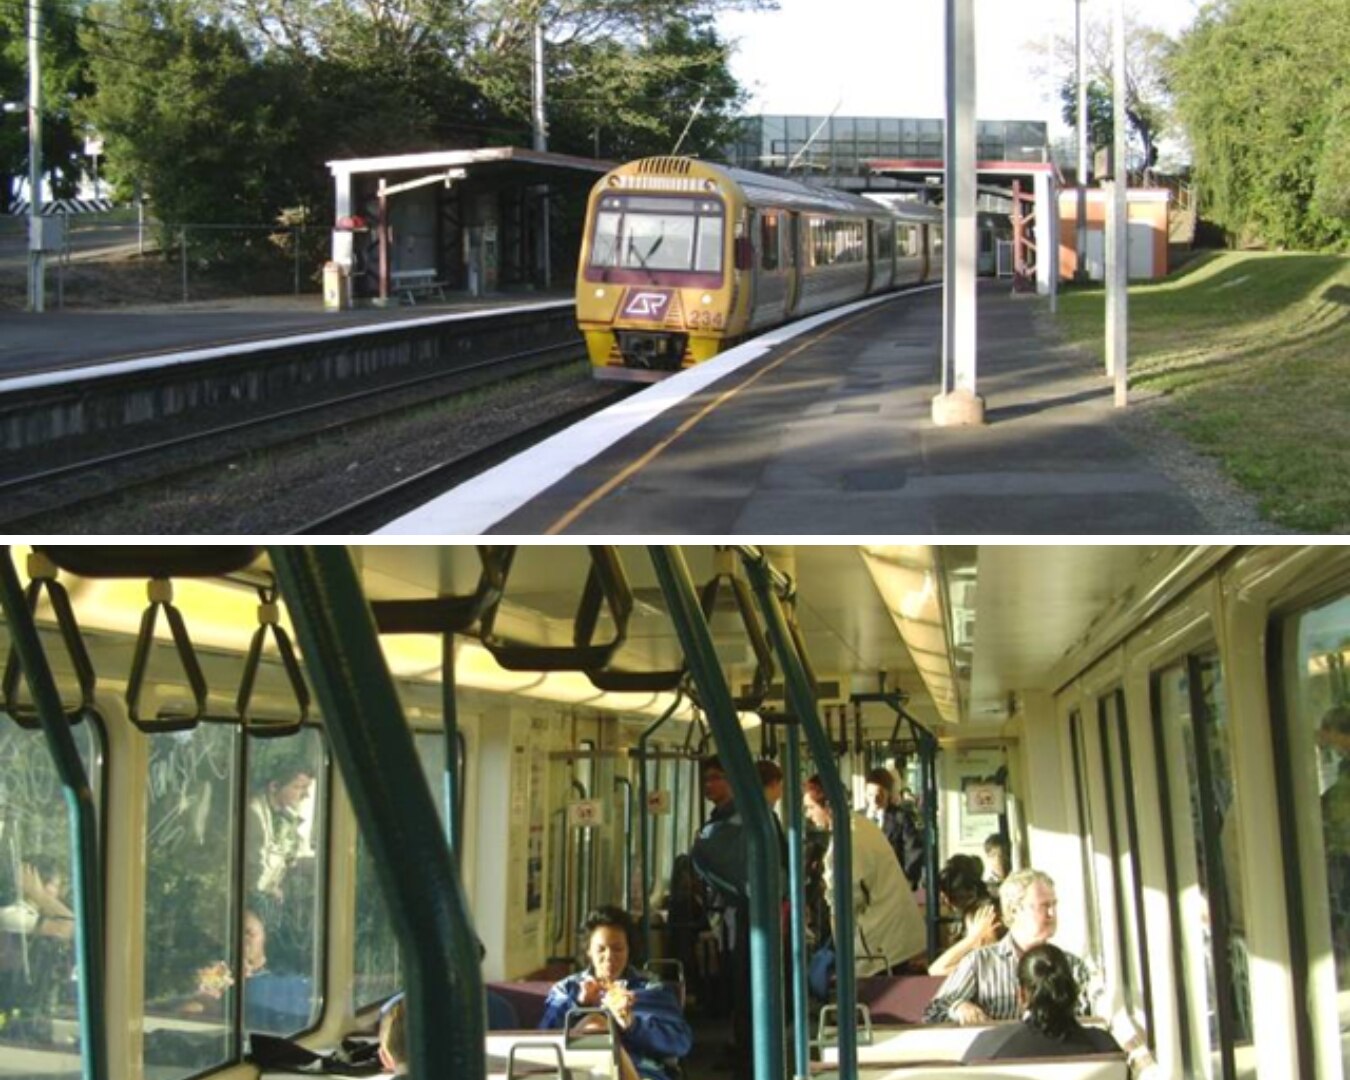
<point>599,294</point>
<point>706,298</point>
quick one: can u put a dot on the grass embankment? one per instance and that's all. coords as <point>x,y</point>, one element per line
<point>1253,351</point>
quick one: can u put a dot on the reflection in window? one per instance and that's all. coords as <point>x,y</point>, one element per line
<point>39,1008</point>
<point>379,972</point>
<point>191,912</point>
<point>1085,834</point>
<point>1207,871</point>
<point>1317,686</point>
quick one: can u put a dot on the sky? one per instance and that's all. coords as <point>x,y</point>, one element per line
<point>885,57</point>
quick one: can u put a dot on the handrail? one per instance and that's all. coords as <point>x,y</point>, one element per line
<point>759,831</point>
<point>560,1069</point>
<point>269,618</point>
<point>627,891</point>
<point>754,632</point>
<point>607,585</point>
<point>646,831</point>
<point>79,796</point>
<point>792,803</point>
<point>802,702</point>
<point>159,591</point>
<point>374,749</point>
<point>42,575</point>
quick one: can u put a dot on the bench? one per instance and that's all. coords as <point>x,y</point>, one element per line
<point>408,285</point>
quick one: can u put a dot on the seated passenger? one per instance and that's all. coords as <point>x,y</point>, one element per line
<point>650,1025</point>
<point>1049,994</point>
<point>964,892</point>
<point>984,985</point>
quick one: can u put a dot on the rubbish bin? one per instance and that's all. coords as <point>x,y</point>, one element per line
<point>334,287</point>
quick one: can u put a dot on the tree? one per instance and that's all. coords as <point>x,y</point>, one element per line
<point>1259,85</point>
<point>1147,97</point>
<point>63,81</point>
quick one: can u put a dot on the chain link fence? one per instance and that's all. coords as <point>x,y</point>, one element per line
<point>113,260</point>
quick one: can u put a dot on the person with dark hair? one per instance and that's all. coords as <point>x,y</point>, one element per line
<point>898,823</point>
<point>651,1027</point>
<point>997,859</point>
<point>1049,994</point>
<point>964,892</point>
<point>275,816</point>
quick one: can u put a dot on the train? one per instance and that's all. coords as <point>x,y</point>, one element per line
<point>681,259</point>
<point>250,794</point>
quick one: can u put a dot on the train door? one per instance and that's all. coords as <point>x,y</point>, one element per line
<point>793,260</point>
<point>593,843</point>
<point>771,274</point>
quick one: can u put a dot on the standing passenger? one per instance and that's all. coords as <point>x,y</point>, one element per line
<point>889,926</point>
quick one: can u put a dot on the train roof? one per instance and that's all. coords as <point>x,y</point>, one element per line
<point>781,191</point>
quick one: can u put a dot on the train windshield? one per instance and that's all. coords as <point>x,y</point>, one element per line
<point>647,232</point>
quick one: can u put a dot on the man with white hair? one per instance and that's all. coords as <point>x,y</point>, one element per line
<point>983,988</point>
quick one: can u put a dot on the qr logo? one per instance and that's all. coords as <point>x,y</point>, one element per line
<point>647,305</point>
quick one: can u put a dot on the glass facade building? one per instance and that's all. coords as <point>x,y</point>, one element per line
<point>841,145</point>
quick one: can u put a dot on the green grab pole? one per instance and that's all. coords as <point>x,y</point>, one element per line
<point>374,750</point>
<point>79,796</point>
<point>792,798</point>
<point>450,724</point>
<point>646,830</point>
<point>802,704</point>
<point>765,887</point>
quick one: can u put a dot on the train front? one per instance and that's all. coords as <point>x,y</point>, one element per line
<point>654,288</point>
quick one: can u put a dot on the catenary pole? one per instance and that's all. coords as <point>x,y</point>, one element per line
<point>37,270</point>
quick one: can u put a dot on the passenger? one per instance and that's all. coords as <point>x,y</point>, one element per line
<point>890,929</point>
<point>279,1004</point>
<point>651,1027</point>
<point>1048,993</point>
<point>964,893</point>
<point>1333,734</point>
<point>984,988</point>
<point>997,859</point>
<point>883,813</point>
<point>36,950</point>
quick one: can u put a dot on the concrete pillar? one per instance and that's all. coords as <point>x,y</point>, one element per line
<point>958,403</point>
<point>1047,233</point>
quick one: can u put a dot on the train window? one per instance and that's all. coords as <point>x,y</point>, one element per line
<point>768,241</point>
<point>1313,651</point>
<point>1123,832</point>
<point>378,971</point>
<point>1191,726</point>
<point>648,232</point>
<point>1086,834</point>
<point>192,906</point>
<point>39,1008</point>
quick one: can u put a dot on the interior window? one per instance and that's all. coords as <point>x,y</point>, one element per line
<point>379,971</point>
<point>1085,832</point>
<point>1206,863</point>
<point>39,1007</point>
<point>1316,688</point>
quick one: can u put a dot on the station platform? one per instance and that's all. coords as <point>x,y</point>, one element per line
<point>82,338</point>
<point>825,428</point>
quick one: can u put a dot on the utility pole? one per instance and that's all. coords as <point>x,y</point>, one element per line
<point>1118,227</point>
<point>37,269</point>
<point>541,144</point>
<point>1080,271</point>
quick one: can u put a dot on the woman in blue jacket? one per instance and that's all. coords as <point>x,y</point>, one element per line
<point>650,1023</point>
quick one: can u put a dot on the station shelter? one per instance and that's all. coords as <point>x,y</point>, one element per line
<point>1148,233</point>
<point>472,221</point>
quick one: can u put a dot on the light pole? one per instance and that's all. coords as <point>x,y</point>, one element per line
<point>36,267</point>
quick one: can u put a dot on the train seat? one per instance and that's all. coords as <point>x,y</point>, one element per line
<point>1090,1067</point>
<point>527,997</point>
<point>897,999</point>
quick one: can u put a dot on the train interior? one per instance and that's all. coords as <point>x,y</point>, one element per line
<point>250,792</point>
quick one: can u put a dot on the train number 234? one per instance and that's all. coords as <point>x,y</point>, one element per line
<point>705,320</point>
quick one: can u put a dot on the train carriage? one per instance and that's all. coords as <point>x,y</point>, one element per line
<point>298,780</point>
<point>682,258</point>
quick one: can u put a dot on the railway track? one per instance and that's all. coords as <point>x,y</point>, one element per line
<point>365,515</point>
<point>69,486</point>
